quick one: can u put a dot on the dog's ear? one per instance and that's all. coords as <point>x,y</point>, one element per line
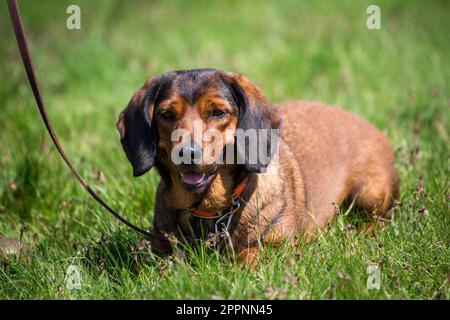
<point>256,112</point>
<point>138,133</point>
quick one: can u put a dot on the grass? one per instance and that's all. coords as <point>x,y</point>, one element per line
<point>396,77</point>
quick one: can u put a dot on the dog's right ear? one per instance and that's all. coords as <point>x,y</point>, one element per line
<point>138,133</point>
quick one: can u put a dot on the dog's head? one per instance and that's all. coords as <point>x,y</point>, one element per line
<point>182,121</point>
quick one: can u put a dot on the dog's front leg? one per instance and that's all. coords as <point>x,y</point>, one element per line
<point>249,257</point>
<point>164,225</point>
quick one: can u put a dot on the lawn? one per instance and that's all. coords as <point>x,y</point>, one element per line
<point>397,77</point>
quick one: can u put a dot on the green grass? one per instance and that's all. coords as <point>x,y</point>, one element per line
<point>397,77</point>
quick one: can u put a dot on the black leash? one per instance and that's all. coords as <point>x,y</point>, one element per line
<point>27,62</point>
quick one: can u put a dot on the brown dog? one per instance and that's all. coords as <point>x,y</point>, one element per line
<point>325,156</point>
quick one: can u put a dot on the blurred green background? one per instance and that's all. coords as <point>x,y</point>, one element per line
<point>396,77</point>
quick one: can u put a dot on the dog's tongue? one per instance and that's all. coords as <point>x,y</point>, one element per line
<point>192,178</point>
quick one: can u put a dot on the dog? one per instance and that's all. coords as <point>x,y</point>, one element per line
<point>324,157</point>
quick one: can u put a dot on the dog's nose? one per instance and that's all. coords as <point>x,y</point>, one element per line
<point>190,154</point>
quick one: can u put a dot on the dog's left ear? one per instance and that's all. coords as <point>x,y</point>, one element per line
<point>138,133</point>
<point>256,112</point>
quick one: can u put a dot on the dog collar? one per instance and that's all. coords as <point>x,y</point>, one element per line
<point>235,203</point>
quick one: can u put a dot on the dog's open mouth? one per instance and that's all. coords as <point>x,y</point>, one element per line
<point>195,180</point>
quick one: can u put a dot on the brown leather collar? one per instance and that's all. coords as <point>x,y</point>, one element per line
<point>240,188</point>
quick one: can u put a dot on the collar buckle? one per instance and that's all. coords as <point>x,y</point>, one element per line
<point>221,227</point>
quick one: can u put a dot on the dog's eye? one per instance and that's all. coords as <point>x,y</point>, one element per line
<point>217,113</point>
<point>167,115</point>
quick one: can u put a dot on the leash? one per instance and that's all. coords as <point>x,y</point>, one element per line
<point>27,62</point>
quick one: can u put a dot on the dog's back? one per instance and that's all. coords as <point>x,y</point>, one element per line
<point>341,156</point>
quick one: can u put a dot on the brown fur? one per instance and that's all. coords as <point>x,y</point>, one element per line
<point>326,156</point>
